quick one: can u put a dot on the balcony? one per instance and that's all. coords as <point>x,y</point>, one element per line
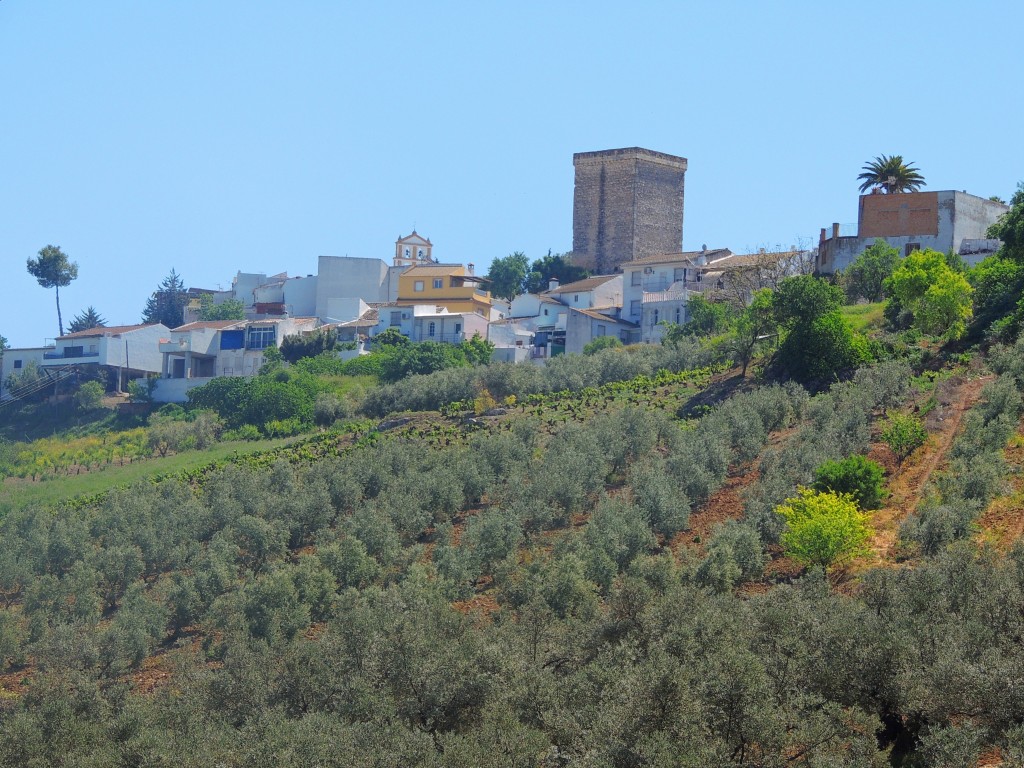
<point>444,338</point>
<point>175,345</point>
<point>69,354</point>
<point>676,291</point>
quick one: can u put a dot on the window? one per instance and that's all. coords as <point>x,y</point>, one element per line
<point>545,310</point>
<point>698,277</point>
<point>432,329</point>
<point>260,337</point>
<point>679,314</point>
<point>655,317</point>
<point>635,308</point>
<point>458,328</point>
<point>17,363</point>
<point>720,284</point>
<point>635,278</point>
<point>418,285</point>
<point>396,317</point>
<point>576,298</point>
<point>438,282</point>
<point>94,349</point>
<point>73,351</point>
<point>419,253</point>
<point>679,273</point>
<point>407,253</point>
<point>602,330</point>
<point>910,248</point>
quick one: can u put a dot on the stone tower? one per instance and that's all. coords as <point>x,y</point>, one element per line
<point>627,204</point>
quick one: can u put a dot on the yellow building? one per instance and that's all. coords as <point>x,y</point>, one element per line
<point>446,285</point>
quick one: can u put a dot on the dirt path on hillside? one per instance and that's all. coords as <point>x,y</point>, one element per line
<point>907,483</point>
<point>1002,524</point>
<point>724,504</point>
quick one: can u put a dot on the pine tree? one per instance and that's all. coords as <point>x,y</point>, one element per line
<point>167,304</point>
<point>88,319</point>
<point>53,269</point>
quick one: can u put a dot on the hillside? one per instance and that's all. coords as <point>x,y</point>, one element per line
<point>591,571</point>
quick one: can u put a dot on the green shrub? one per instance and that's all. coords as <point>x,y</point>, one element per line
<point>856,475</point>
<point>904,434</point>
<point>282,427</point>
<point>244,432</point>
<point>823,528</point>
<point>600,343</point>
<point>327,409</point>
<point>325,364</point>
<point>735,554</point>
<point>364,365</point>
<point>89,395</point>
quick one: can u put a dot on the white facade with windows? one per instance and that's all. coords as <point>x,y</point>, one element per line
<point>18,360</point>
<point>657,288</point>
<point>429,322</point>
<point>203,350</point>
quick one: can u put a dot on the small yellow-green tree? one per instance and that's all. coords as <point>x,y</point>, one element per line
<point>823,528</point>
<point>939,297</point>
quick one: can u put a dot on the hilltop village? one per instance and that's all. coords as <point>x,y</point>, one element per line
<point>627,244</point>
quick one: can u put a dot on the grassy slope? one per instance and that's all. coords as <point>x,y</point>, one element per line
<point>15,493</point>
<point>864,318</point>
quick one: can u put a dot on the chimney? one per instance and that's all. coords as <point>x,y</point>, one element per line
<point>470,267</point>
<point>835,230</point>
<point>552,283</point>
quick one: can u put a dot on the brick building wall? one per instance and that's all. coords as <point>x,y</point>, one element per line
<point>627,204</point>
<point>914,213</point>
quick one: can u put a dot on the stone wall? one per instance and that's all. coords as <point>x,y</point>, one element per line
<point>627,204</point>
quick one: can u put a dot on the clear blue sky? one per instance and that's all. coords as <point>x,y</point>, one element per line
<point>214,137</point>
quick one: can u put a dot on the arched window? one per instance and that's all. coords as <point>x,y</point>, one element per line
<point>432,329</point>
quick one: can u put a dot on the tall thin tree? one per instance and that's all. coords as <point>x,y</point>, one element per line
<point>53,269</point>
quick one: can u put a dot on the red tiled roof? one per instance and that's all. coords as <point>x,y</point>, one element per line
<point>111,330</point>
<point>667,258</point>
<point>581,286</point>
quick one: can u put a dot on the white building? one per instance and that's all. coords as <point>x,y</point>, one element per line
<point>124,351</point>
<point>340,279</point>
<point>564,318</point>
<point>429,322</point>
<point>195,353</point>
<point>17,360</point>
<point>944,221</point>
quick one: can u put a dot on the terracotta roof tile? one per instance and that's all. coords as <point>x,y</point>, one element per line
<point>581,286</point>
<point>106,330</point>
<point>712,254</point>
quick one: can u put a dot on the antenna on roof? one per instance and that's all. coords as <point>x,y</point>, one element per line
<point>703,247</point>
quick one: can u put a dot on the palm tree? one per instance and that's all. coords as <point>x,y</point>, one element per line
<point>891,175</point>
